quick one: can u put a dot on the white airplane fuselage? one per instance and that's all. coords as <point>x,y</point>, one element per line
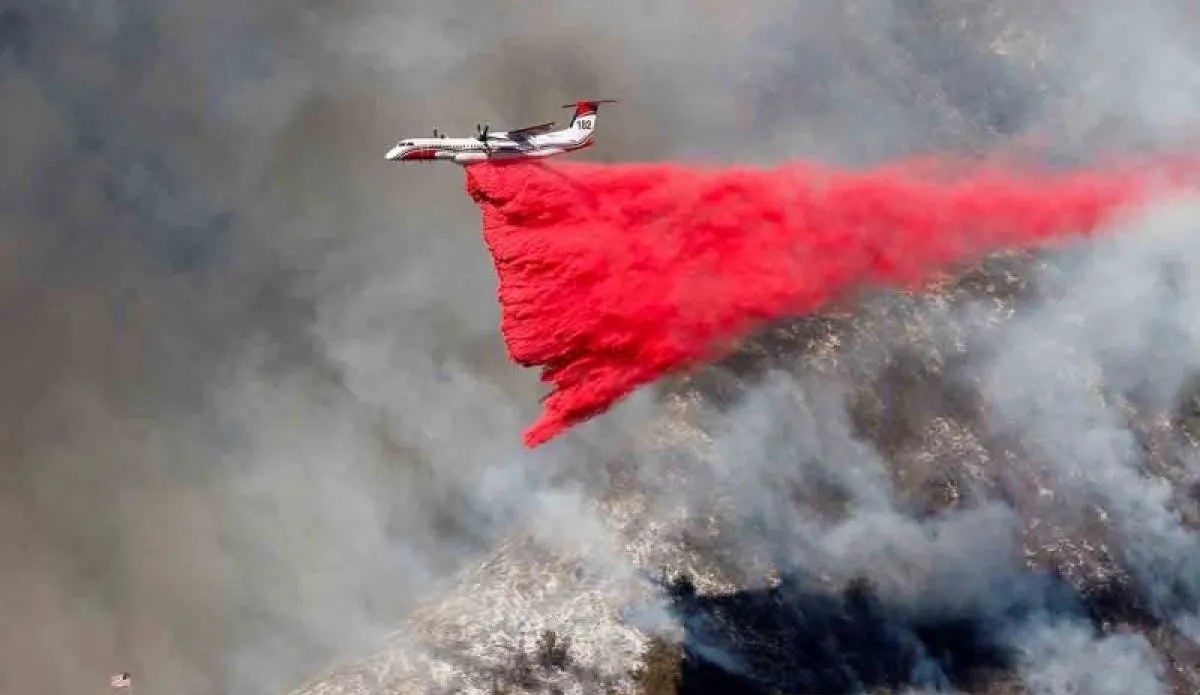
<point>502,146</point>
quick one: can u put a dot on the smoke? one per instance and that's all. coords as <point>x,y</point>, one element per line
<point>792,483</point>
<point>1064,375</point>
<point>255,402</point>
<point>1069,659</point>
<point>1084,383</point>
<point>202,484</point>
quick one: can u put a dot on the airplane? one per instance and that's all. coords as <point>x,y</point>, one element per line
<point>531,142</point>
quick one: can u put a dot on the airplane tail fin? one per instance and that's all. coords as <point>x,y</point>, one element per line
<point>584,117</point>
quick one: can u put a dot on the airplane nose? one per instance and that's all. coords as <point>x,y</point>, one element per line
<point>393,154</point>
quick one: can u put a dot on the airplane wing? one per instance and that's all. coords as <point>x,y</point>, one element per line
<point>531,130</point>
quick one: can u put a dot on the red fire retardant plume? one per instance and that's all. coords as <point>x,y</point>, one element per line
<point>611,276</point>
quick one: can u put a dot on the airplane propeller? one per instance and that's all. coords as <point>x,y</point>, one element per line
<point>482,135</point>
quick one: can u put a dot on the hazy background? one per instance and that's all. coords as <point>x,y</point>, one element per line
<point>255,402</point>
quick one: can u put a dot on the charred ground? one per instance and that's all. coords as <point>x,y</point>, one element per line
<point>929,427</point>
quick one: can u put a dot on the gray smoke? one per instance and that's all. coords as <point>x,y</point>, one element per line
<point>801,489</point>
<point>256,404</point>
<point>1066,658</point>
<point>1063,374</point>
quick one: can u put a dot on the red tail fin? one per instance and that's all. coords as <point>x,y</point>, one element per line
<point>587,107</point>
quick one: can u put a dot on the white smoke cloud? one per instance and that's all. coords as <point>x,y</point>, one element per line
<point>1059,373</point>
<point>1057,659</point>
